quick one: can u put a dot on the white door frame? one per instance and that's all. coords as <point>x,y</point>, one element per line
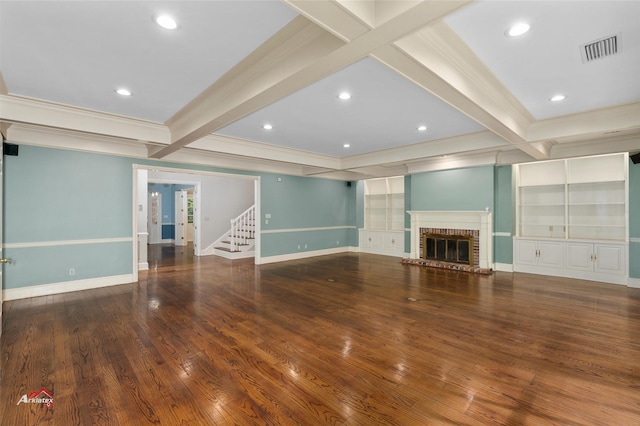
<point>196,202</point>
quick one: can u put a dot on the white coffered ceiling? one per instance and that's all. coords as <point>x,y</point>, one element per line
<point>202,92</point>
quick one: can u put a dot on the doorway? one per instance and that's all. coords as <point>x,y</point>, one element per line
<point>205,194</point>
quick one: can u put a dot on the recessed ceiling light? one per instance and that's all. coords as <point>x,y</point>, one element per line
<point>344,96</point>
<point>166,22</point>
<point>422,128</point>
<point>518,29</point>
<point>346,145</point>
<point>557,98</point>
<point>124,92</point>
<point>267,126</point>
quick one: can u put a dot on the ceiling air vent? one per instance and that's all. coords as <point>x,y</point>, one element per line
<point>602,48</point>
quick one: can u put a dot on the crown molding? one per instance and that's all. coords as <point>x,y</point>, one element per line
<point>19,109</point>
<point>241,147</point>
<point>232,162</point>
<point>75,141</point>
<point>598,146</point>
<point>454,162</point>
<point>588,124</point>
<point>425,150</point>
<point>4,126</point>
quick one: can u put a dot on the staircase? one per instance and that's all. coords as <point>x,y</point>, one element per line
<point>239,242</point>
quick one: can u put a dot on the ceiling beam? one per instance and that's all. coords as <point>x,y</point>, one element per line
<point>297,56</point>
<point>252,84</point>
<point>436,59</point>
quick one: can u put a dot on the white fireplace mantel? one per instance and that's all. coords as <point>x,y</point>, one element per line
<point>476,220</point>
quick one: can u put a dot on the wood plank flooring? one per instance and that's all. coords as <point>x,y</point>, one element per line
<point>350,339</point>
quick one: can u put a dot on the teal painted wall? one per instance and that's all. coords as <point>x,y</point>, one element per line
<point>54,195</point>
<point>472,188</point>
<point>459,189</point>
<point>43,265</point>
<point>300,203</point>
<point>61,196</point>
<point>503,215</point>
<point>634,220</point>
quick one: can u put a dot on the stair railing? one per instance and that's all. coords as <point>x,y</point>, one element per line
<point>243,228</point>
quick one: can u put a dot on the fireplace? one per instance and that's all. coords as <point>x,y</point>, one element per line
<point>448,248</point>
<point>453,239</point>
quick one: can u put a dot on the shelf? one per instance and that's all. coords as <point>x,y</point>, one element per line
<point>384,203</point>
<point>572,225</point>
<point>616,203</point>
<point>590,204</point>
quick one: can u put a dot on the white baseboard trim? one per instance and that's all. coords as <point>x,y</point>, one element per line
<point>303,255</point>
<point>633,282</point>
<point>143,266</point>
<point>503,267</point>
<point>65,287</point>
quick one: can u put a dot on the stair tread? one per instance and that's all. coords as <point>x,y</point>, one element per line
<point>227,249</point>
<point>238,244</point>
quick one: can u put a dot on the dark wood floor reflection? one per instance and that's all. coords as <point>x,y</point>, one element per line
<point>348,339</point>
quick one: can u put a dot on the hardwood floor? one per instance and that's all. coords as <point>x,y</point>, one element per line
<point>350,339</point>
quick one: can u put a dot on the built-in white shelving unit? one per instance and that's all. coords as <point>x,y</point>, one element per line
<point>384,211</point>
<point>573,217</point>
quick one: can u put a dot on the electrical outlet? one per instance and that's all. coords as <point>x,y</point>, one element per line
<point>72,271</point>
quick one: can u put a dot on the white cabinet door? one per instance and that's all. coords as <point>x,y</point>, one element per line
<point>365,239</point>
<point>375,239</point>
<point>609,258</point>
<point>370,239</point>
<point>579,256</point>
<point>594,257</point>
<point>391,241</point>
<point>550,254</point>
<point>382,242</point>
<point>526,252</point>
